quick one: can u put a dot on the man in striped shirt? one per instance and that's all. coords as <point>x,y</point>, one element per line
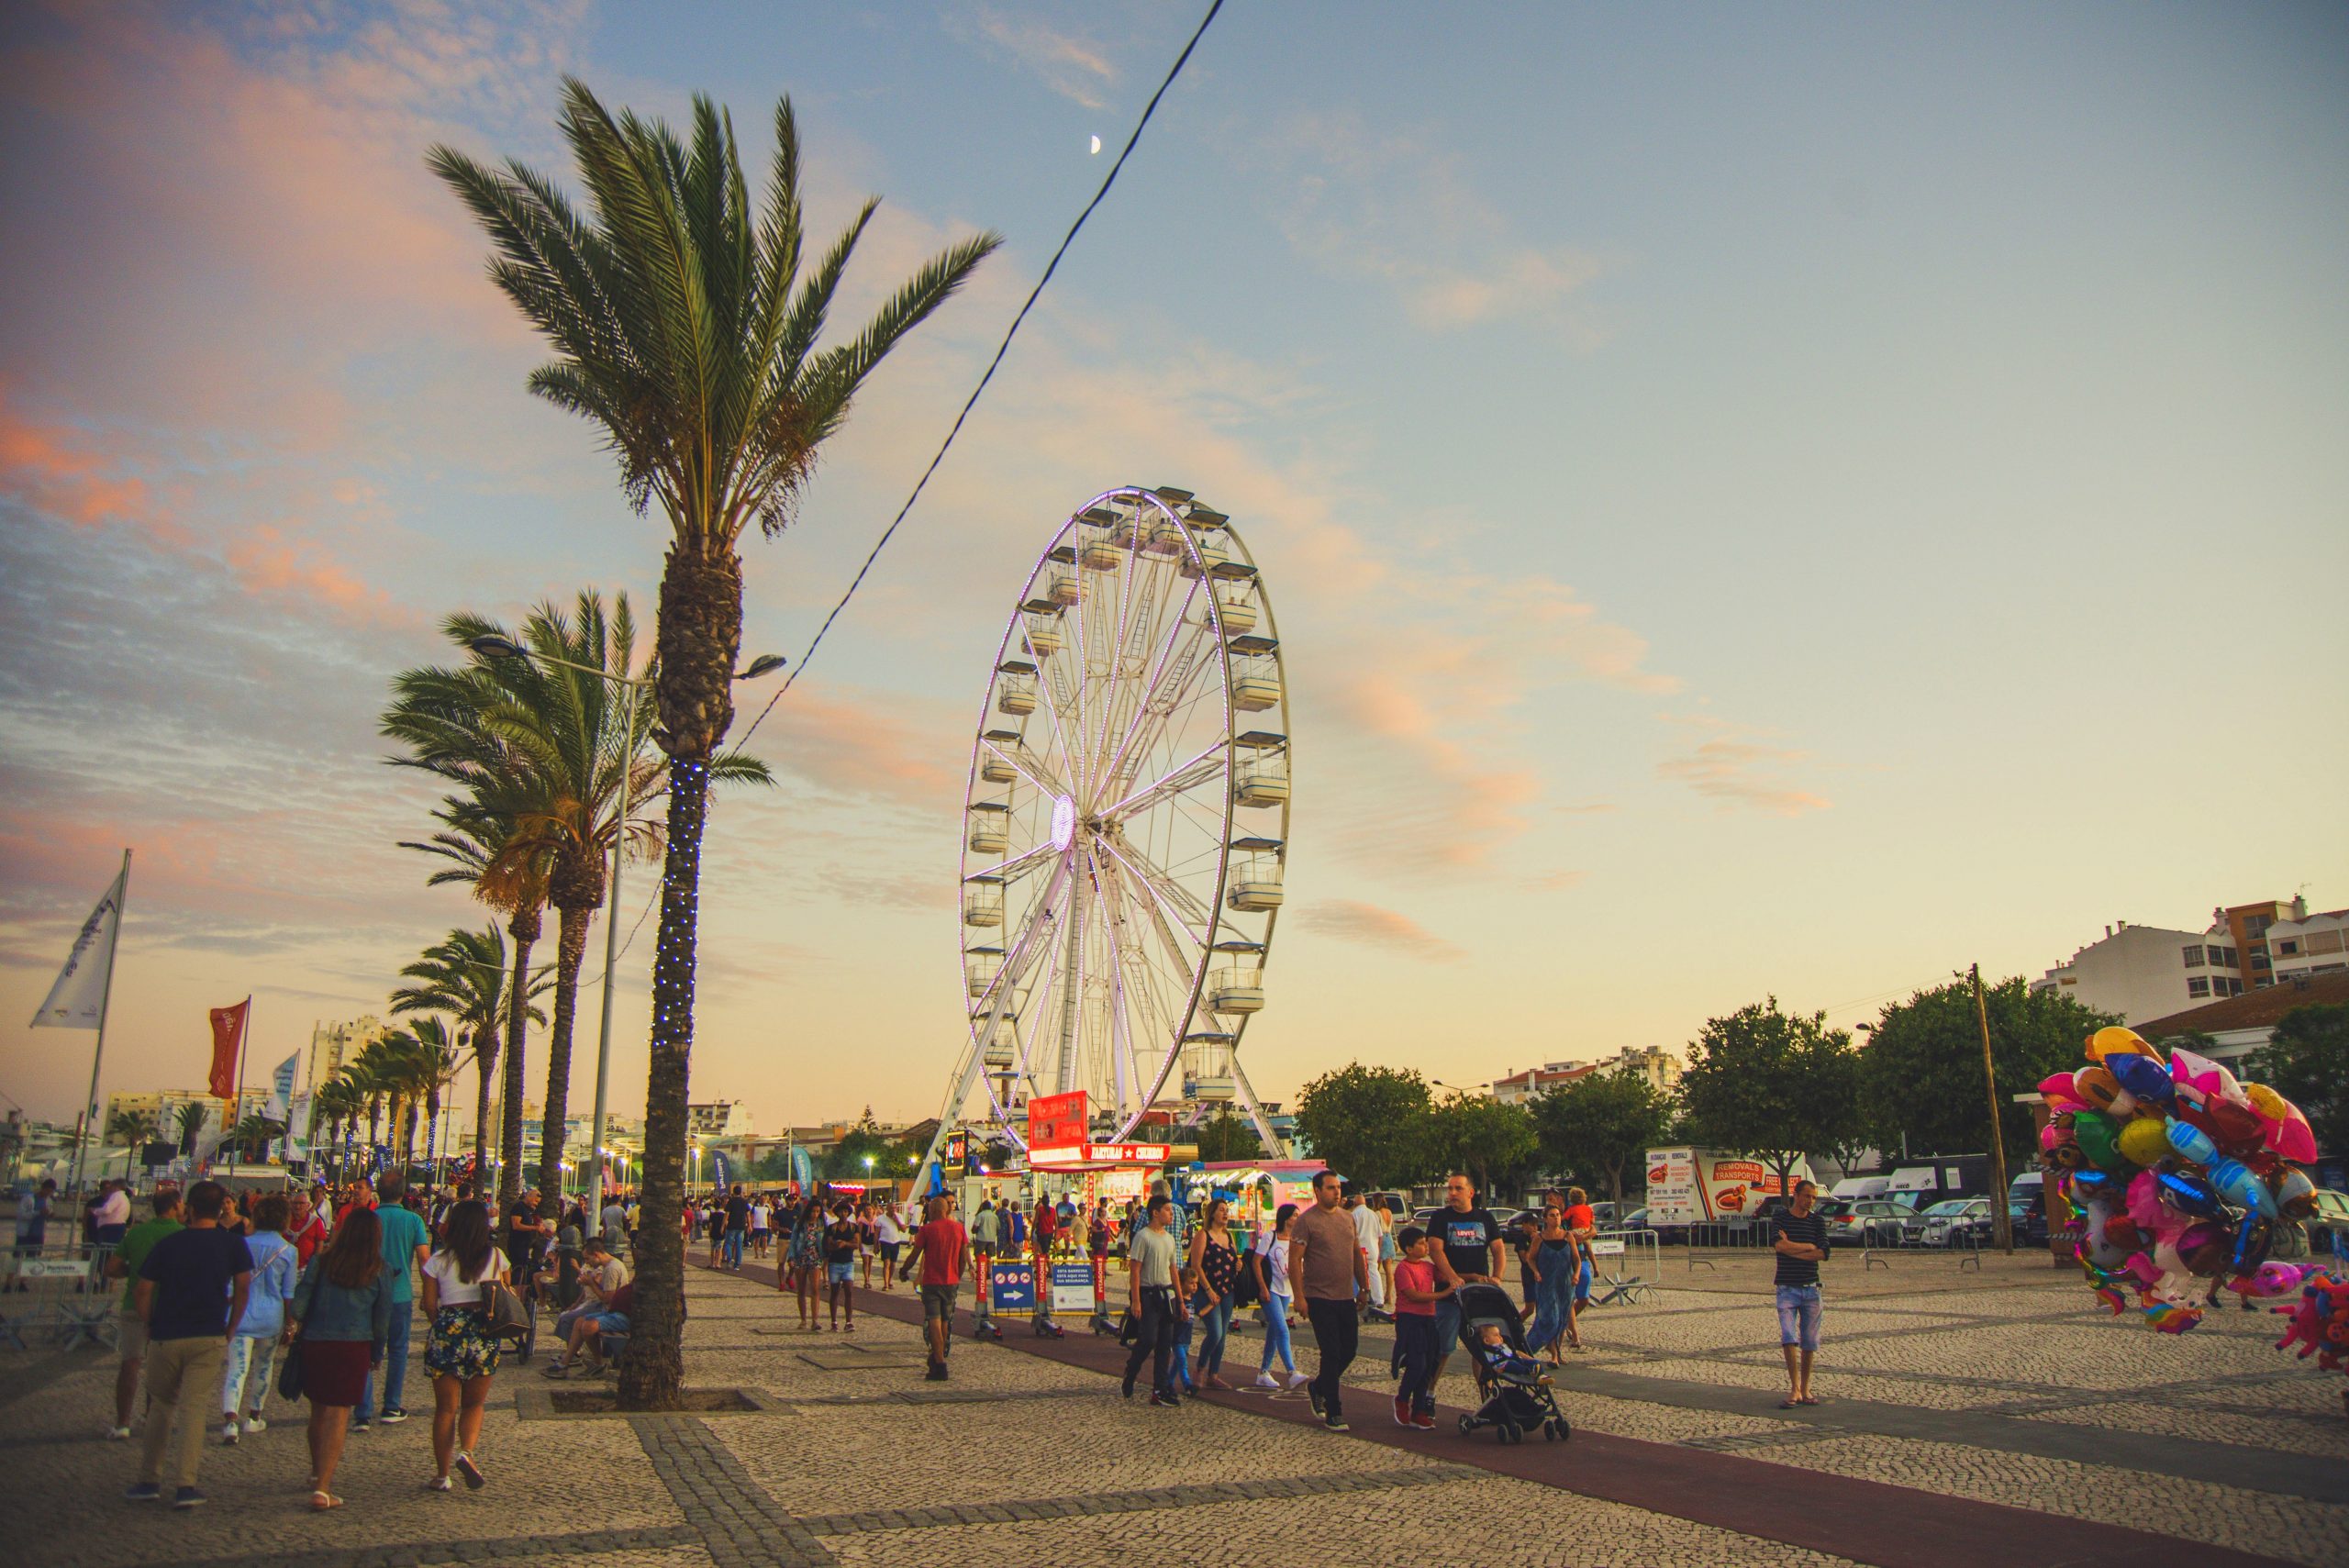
<point>1799,1238</point>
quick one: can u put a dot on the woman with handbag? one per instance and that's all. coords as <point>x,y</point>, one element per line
<point>252,1354</point>
<point>339,1317</point>
<point>466,1297</point>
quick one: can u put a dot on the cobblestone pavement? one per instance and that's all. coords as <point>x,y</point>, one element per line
<point>2005,1389</point>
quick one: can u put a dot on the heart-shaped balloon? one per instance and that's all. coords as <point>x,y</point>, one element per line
<point>2236,1126</point>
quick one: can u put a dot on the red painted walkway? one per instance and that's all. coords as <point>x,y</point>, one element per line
<point>1867,1522</point>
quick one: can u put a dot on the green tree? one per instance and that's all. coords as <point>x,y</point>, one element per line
<point>1369,1124</point>
<point>1920,1073</point>
<point>1596,1125</point>
<point>191,1122</point>
<point>844,1160</point>
<point>1489,1138</point>
<point>1225,1136</point>
<point>1768,1083</point>
<point>2306,1061</point>
<point>682,326</point>
<point>130,1129</point>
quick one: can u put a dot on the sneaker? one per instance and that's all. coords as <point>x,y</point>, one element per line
<point>1336,1423</point>
<point>393,1416</point>
<point>1402,1412</point>
<point>144,1492</point>
<point>118,1434</point>
<point>1264,1380</point>
<point>438,1483</point>
<point>188,1498</point>
<point>228,1432</point>
<point>1424,1420</point>
<point>1162,1397</point>
<point>1298,1380</point>
<point>358,1426</point>
<point>255,1424</point>
<point>471,1471</point>
<point>1313,1397</point>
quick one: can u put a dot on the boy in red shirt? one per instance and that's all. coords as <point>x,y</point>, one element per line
<point>941,1246</point>
<point>1417,1291</point>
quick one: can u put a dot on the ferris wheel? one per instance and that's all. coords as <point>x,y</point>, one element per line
<point>1126,824</point>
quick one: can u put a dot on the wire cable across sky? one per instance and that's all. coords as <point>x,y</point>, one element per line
<point>1001,349</point>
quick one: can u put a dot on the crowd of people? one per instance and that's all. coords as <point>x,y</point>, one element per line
<point>314,1296</point>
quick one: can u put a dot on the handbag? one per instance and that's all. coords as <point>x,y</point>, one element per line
<point>289,1370</point>
<point>508,1318</point>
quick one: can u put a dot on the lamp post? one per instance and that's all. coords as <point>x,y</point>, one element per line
<point>494,647</point>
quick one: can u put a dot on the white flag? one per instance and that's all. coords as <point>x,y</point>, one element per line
<point>281,1090</point>
<point>75,1001</point>
<point>297,1129</point>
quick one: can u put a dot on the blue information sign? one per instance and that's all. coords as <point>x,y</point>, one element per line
<point>1015,1287</point>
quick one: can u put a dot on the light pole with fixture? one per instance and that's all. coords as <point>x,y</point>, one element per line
<point>494,647</point>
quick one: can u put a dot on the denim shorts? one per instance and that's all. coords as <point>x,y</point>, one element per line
<point>1798,1315</point>
<point>1447,1326</point>
<point>838,1272</point>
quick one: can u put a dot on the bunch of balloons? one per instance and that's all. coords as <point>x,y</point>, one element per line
<point>2181,1175</point>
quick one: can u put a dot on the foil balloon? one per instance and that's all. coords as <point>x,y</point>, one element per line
<point>2295,1193</point>
<point>2187,1194</point>
<point>2094,1086</point>
<point>2144,1142</point>
<point>2237,1127</point>
<point>2144,1078</point>
<point>2292,1137</point>
<point>2114,1040</point>
<point>2189,1143</point>
<point>2240,1187</point>
<point>2098,1245</point>
<point>2253,1238</point>
<point>2097,1138</point>
<point>2263,1100</point>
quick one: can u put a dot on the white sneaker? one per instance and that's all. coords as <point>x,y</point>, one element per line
<point>1266,1380</point>
<point>229,1430</point>
<point>255,1424</point>
<point>1298,1380</point>
<point>118,1434</point>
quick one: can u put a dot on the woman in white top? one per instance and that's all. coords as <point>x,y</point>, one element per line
<point>888,1229</point>
<point>1271,1264</point>
<point>461,1352</point>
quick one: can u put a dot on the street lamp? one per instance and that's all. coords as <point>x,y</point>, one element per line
<point>491,646</point>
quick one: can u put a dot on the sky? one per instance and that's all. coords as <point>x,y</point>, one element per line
<point>1760,499</point>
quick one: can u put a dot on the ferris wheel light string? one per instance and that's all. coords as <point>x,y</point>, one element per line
<point>1001,350</point>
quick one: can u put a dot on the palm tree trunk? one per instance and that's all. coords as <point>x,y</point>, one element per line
<point>652,1371</point>
<point>570,949</point>
<point>524,929</point>
<point>432,1124</point>
<point>485,1064</point>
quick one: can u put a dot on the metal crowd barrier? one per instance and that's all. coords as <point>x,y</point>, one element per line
<point>1626,1264</point>
<point>57,1289</point>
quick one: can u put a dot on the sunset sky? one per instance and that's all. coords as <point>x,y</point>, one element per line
<point>1760,499</point>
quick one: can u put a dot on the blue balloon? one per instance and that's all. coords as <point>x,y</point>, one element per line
<point>2235,1182</point>
<point>2144,1078</point>
<point>2191,1143</point>
<point>2190,1194</point>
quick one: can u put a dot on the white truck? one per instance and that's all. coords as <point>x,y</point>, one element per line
<point>1689,1187</point>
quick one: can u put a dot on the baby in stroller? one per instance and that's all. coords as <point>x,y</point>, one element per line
<point>1515,1390</point>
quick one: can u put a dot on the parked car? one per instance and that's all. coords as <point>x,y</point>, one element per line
<point>1932,1228</point>
<point>1635,1220</point>
<point>1970,1229</point>
<point>1864,1222</point>
<point>2328,1229</point>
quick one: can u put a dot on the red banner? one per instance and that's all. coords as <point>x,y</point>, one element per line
<point>227,1038</point>
<point>1055,1121</point>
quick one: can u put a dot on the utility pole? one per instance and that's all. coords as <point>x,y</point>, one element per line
<point>2003,1223</point>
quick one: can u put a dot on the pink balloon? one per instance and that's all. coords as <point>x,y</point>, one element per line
<point>2293,1138</point>
<point>2060,1092</point>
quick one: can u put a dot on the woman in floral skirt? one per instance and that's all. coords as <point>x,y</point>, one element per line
<point>461,1352</point>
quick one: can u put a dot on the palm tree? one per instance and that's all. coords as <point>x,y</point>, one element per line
<point>190,1120</point>
<point>252,1135</point>
<point>562,718</point>
<point>438,1057</point>
<point>682,326</point>
<point>130,1129</point>
<point>463,976</point>
<point>509,872</point>
<point>337,1102</point>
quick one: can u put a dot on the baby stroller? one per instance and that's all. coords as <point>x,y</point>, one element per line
<point>1514,1389</point>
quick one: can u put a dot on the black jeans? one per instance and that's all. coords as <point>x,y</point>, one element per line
<point>1338,1333</point>
<point>1415,1336</point>
<point>1155,1338</point>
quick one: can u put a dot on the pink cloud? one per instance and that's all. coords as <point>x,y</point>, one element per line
<point>266,561</point>
<point>1350,919</point>
<point>58,469</point>
<point>1736,770</point>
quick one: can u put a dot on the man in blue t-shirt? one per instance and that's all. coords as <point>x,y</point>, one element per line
<point>405,1246</point>
<point>190,1293</point>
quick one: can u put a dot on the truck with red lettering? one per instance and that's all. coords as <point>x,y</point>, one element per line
<point>1688,1188</point>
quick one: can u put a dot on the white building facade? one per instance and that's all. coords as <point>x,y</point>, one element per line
<point>2145,972</point>
<point>2307,943</point>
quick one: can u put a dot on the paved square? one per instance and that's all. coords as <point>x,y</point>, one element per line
<point>1973,1419</point>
